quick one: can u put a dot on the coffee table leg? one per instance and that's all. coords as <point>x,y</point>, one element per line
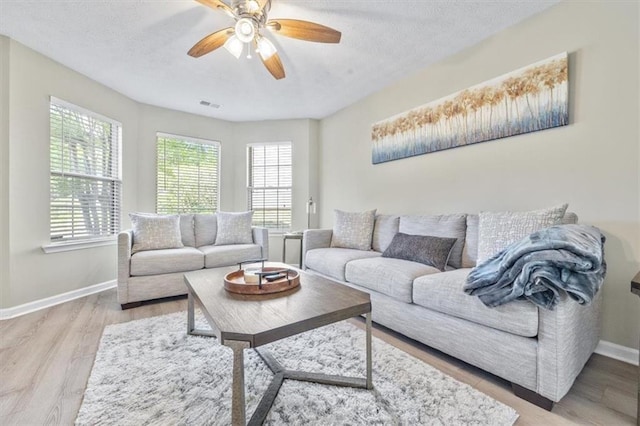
<point>191,323</point>
<point>369,361</point>
<point>190,315</point>
<point>238,416</point>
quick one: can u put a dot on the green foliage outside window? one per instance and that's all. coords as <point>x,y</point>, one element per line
<point>187,175</point>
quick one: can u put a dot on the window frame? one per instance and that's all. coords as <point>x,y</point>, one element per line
<point>193,140</point>
<point>249,188</point>
<point>76,243</point>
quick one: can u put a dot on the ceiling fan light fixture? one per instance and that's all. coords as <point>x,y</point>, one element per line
<point>234,46</point>
<point>266,48</point>
<point>245,30</point>
<point>253,6</point>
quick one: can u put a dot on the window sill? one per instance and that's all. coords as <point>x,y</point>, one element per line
<point>78,245</point>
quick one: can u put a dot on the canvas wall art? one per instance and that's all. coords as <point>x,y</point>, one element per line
<point>529,99</point>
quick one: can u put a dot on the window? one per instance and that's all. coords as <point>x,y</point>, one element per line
<point>85,181</point>
<point>188,175</point>
<point>269,184</point>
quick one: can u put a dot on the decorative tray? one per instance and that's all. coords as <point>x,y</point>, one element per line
<point>262,280</point>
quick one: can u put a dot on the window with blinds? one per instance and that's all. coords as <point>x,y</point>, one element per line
<point>188,175</point>
<point>85,183</point>
<point>269,184</point>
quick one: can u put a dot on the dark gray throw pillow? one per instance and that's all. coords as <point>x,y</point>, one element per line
<point>431,251</point>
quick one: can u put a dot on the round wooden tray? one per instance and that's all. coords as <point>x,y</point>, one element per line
<point>234,282</point>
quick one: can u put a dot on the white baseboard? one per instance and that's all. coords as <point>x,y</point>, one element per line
<point>54,300</point>
<point>619,352</point>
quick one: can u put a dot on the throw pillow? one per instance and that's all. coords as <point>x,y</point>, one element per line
<point>445,226</point>
<point>353,230</point>
<point>426,249</point>
<point>234,228</point>
<point>496,230</point>
<point>386,226</point>
<point>206,227</point>
<point>154,232</point>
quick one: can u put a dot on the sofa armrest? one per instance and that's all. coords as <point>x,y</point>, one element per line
<point>313,239</point>
<point>567,336</point>
<point>125,243</point>
<point>261,237</point>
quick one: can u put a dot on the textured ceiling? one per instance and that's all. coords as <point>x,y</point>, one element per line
<point>139,49</point>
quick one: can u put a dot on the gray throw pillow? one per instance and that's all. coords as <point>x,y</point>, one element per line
<point>496,230</point>
<point>353,230</point>
<point>155,232</point>
<point>234,228</point>
<point>445,226</point>
<point>426,249</point>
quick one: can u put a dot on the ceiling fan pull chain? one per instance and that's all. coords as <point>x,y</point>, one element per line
<point>248,50</point>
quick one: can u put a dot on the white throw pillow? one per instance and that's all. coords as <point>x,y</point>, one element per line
<point>154,232</point>
<point>353,230</point>
<point>234,228</point>
<point>496,230</point>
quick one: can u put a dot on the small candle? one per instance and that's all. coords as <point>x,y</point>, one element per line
<point>251,275</point>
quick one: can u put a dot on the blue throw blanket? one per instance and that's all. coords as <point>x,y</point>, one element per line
<point>563,257</point>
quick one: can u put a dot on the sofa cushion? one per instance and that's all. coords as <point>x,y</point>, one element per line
<point>393,277</point>
<point>353,230</point>
<point>206,227</point>
<point>385,228</point>
<point>154,232</point>
<point>234,228</point>
<point>186,230</point>
<point>425,249</point>
<point>470,249</point>
<point>216,256</point>
<point>165,261</point>
<point>447,226</point>
<point>496,230</point>
<point>443,293</point>
<point>332,261</point>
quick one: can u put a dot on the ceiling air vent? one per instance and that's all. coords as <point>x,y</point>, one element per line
<point>209,104</point>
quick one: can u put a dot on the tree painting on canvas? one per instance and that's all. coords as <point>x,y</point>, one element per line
<point>529,99</point>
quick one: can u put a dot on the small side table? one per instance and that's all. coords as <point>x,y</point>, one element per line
<point>635,288</point>
<point>291,236</point>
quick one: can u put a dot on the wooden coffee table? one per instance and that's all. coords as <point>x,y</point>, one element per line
<point>250,321</point>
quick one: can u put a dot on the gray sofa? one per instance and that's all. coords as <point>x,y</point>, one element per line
<point>154,274</point>
<point>539,351</point>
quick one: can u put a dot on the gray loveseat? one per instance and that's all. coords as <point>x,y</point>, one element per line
<point>539,351</point>
<point>154,274</point>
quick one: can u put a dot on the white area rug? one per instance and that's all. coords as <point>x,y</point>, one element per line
<point>150,372</point>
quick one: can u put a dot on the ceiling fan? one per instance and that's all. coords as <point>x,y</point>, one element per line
<point>251,19</point>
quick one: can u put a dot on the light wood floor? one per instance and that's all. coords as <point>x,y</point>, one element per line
<point>46,358</point>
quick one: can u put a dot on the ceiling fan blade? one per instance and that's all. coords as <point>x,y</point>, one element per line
<point>217,4</point>
<point>274,65</point>
<point>210,42</point>
<point>304,30</point>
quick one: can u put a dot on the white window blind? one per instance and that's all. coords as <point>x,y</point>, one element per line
<point>269,184</point>
<point>85,183</point>
<point>188,175</point>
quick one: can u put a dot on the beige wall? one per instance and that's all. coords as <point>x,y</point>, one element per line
<point>33,78</point>
<point>593,164</point>
<point>27,80</point>
<point>4,170</point>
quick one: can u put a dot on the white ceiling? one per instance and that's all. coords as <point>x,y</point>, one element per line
<point>139,48</point>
